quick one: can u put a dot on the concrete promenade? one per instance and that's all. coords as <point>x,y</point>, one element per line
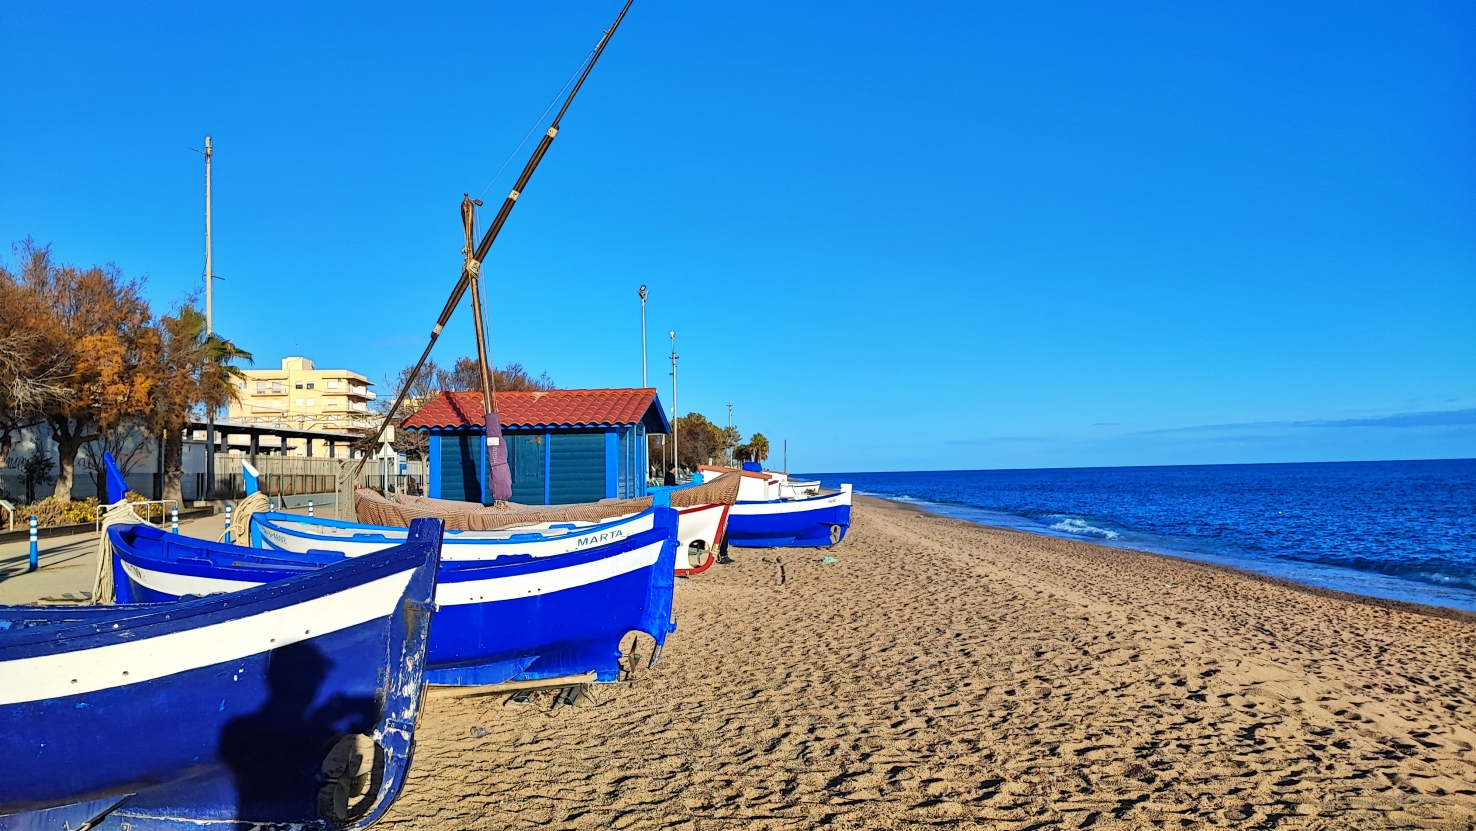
<point>68,565</point>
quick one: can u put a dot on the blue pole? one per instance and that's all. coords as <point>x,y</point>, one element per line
<point>228,522</point>
<point>35,552</point>
<point>174,519</point>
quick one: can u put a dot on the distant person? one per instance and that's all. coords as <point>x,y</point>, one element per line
<point>670,476</point>
<point>412,487</point>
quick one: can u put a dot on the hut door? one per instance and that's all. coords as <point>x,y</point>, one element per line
<point>525,459</point>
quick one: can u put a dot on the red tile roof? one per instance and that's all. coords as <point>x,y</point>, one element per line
<point>555,408</point>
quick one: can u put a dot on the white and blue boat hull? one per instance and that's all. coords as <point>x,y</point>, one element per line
<point>214,712</point>
<point>819,520</point>
<point>700,531</point>
<point>507,615</point>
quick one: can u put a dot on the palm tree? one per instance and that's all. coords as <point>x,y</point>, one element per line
<point>758,447</point>
<point>196,370</point>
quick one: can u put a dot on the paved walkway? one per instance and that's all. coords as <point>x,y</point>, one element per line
<point>68,565</point>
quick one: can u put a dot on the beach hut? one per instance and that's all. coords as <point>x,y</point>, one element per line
<point>563,446</point>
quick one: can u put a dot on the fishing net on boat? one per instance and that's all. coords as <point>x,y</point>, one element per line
<point>375,509</point>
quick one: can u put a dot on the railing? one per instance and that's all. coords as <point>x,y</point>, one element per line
<point>144,508</point>
<point>293,476</point>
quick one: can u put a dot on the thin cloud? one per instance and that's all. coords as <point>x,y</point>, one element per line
<point>1432,418</point>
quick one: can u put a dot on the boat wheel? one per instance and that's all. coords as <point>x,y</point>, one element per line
<point>835,534</point>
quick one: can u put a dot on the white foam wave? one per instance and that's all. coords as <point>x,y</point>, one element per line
<point>1082,528</point>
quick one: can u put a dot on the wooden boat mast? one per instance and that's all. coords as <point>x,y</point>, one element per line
<point>473,264</point>
<point>468,221</point>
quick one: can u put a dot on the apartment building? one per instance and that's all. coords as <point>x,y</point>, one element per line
<point>303,396</point>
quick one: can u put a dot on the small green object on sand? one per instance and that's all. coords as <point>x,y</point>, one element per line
<point>827,559</point>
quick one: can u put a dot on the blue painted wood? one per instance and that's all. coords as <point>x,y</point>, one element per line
<point>525,460</point>
<point>203,747</point>
<point>433,471</point>
<point>547,463</point>
<point>642,459</point>
<point>576,466</point>
<point>460,473</point>
<point>612,465</point>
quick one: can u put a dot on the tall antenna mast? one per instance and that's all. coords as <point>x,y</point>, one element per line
<point>209,332</point>
<point>209,271</point>
<point>675,459</point>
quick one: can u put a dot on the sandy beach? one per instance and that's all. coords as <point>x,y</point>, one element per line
<point>943,673</point>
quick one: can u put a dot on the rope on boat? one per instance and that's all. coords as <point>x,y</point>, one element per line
<point>118,513</point>
<point>241,515</point>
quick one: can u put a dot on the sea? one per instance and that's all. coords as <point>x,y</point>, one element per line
<point>1397,530</point>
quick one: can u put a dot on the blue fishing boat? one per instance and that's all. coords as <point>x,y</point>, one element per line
<point>506,615</point>
<point>774,510</point>
<point>289,705</point>
<point>702,512</point>
<point>275,531</point>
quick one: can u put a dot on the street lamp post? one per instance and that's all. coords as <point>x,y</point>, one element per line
<point>646,462</point>
<point>642,293</point>
<point>675,459</point>
<point>209,331</point>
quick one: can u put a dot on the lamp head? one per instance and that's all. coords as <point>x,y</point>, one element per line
<point>642,292</point>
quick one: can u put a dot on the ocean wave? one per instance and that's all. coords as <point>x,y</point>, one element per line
<point>1431,571</point>
<point>1082,528</point>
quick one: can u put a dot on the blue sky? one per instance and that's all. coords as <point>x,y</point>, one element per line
<point>900,236</point>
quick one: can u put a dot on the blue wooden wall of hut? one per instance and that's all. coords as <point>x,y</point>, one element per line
<point>549,466</point>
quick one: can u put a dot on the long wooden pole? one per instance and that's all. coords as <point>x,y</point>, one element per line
<point>475,263</point>
<point>468,218</point>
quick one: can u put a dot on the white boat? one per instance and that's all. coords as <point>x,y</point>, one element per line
<point>774,510</point>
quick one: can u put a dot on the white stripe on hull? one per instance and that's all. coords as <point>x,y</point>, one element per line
<point>791,506</point>
<point>459,545</point>
<point>516,586</point>
<point>116,665</point>
<point>180,585</point>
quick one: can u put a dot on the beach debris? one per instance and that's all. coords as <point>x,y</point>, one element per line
<point>828,559</point>
<point>480,732</point>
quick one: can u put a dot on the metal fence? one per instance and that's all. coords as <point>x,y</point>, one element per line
<point>290,476</point>
<point>297,476</point>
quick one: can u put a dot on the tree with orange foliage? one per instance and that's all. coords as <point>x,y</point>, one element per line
<point>97,325</point>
